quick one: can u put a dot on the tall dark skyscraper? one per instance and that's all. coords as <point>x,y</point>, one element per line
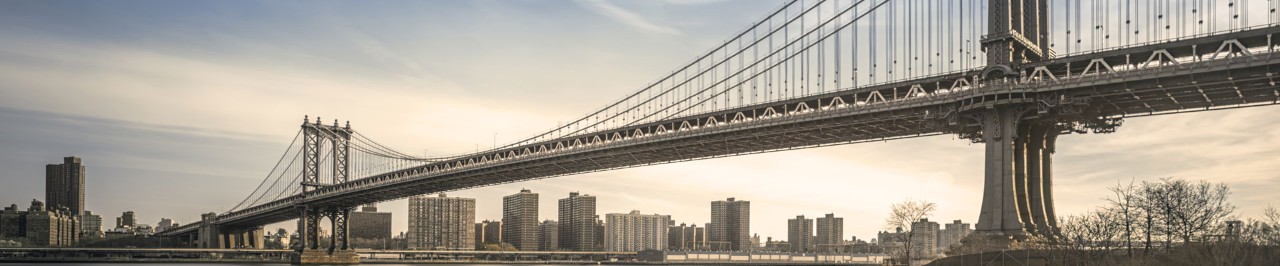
<point>520,220</point>
<point>64,185</point>
<point>369,225</point>
<point>730,223</point>
<point>578,223</point>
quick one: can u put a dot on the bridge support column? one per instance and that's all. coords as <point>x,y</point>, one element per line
<point>338,251</point>
<point>1017,199</point>
<point>250,238</point>
<point>209,235</point>
<point>1000,214</point>
<point>224,241</point>
<point>235,238</point>
<point>308,229</point>
<point>1039,149</point>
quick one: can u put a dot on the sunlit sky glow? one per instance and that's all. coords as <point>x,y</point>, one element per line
<point>181,107</point>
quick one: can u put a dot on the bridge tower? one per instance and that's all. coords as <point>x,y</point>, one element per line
<point>1020,130</point>
<point>1016,34</point>
<point>338,138</point>
<point>1017,201</point>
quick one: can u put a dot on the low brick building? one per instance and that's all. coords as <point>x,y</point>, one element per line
<point>39,227</point>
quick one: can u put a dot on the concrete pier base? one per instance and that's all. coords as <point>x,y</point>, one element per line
<point>1017,199</point>
<point>322,257</point>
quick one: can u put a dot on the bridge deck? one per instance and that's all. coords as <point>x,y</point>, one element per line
<point>1115,83</point>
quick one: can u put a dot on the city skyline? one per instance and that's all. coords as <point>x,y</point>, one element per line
<point>135,137</point>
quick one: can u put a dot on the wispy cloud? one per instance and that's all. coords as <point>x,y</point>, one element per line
<point>691,2</point>
<point>624,16</point>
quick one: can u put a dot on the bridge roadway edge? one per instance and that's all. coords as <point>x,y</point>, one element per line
<point>1123,94</point>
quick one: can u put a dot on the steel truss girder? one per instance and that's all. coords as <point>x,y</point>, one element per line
<point>1250,85</point>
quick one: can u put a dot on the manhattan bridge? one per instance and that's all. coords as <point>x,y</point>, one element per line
<point>1012,75</point>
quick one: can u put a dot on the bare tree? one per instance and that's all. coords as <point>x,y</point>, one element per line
<point>1087,239</point>
<point>1267,231</point>
<point>1149,199</point>
<point>1196,207</point>
<point>1271,215</point>
<point>902,215</point>
<point>970,244</point>
<point>1125,211</point>
<point>1181,210</point>
<point>1156,204</point>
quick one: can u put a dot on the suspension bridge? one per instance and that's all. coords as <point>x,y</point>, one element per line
<point>1011,74</point>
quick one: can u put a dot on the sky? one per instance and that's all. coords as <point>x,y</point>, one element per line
<point>182,107</point>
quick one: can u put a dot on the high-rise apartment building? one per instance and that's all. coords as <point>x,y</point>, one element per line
<point>64,186</point>
<point>90,224</point>
<point>830,235</point>
<point>896,238</point>
<point>370,228</point>
<point>924,237</point>
<point>126,221</point>
<point>164,224</point>
<point>800,234</point>
<point>442,223</point>
<point>520,220</point>
<point>549,236</point>
<point>952,233</point>
<point>730,225</point>
<point>599,242</point>
<point>487,233</point>
<point>630,232</point>
<point>578,222</point>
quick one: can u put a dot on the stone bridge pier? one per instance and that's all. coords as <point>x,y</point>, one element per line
<point>213,235</point>
<point>241,238</point>
<point>337,250</point>
<point>1020,132</point>
<point>1017,198</point>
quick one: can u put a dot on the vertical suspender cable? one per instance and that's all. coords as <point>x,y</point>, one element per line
<point>806,62</point>
<point>913,29</point>
<point>1069,26</point>
<point>1182,18</point>
<point>837,53</point>
<point>853,49</point>
<point>755,57</point>
<point>819,62</point>
<point>789,67</point>
<point>973,33</point>
<point>1168,31</point>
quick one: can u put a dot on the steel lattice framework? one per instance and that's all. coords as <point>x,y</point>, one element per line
<point>781,84</point>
